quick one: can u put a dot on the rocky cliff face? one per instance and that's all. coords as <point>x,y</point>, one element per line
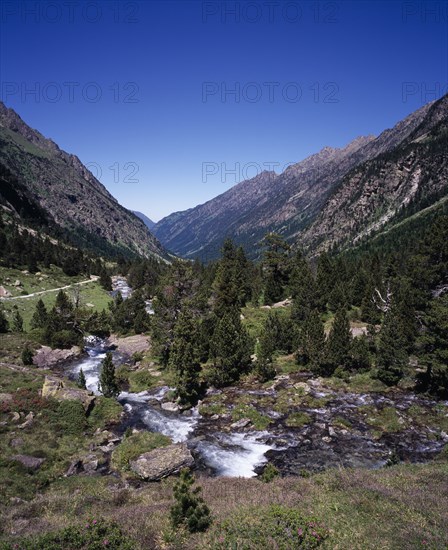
<point>288,203</point>
<point>410,176</point>
<point>71,196</point>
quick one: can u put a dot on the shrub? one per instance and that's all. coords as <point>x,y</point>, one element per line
<point>93,535</point>
<point>297,419</point>
<point>27,356</point>
<point>106,411</point>
<point>190,509</point>
<point>273,527</point>
<point>71,417</point>
<point>269,473</point>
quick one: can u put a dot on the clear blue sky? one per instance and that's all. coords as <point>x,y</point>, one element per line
<point>165,71</point>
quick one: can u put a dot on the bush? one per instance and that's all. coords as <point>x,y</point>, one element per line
<point>106,411</point>
<point>269,473</point>
<point>273,527</point>
<point>70,416</point>
<point>93,535</point>
<point>27,356</point>
<point>136,444</point>
<point>190,509</point>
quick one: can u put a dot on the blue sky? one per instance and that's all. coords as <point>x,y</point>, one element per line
<point>142,91</point>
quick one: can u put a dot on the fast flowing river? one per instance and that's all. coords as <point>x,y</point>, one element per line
<point>322,443</point>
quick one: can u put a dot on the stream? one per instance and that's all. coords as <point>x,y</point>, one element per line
<point>222,449</point>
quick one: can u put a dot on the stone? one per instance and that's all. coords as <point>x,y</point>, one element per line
<point>17,283</point>
<point>170,406</point>
<point>15,417</point>
<point>90,305</point>
<point>29,420</point>
<point>56,388</point>
<point>5,397</point>
<point>4,293</point>
<point>16,442</point>
<point>326,439</point>
<point>74,469</point>
<point>31,462</point>
<point>241,423</point>
<point>331,432</point>
<point>45,357</point>
<point>160,463</point>
<point>283,303</point>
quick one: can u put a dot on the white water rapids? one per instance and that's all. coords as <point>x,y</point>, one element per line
<point>232,455</point>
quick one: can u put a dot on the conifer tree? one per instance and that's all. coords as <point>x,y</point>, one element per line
<point>17,321</point>
<point>312,343</point>
<point>105,280</point>
<point>276,268</point>
<point>303,289</point>
<point>190,509</point>
<point>230,349</point>
<point>339,341</point>
<point>184,359</point>
<point>108,384</point>
<point>81,382</point>
<point>360,357</point>
<point>391,353</point>
<point>40,315</point>
<point>324,280</point>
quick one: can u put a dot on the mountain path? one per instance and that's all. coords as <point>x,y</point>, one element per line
<point>91,280</point>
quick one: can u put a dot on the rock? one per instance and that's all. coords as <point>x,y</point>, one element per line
<point>74,469</point>
<point>444,436</point>
<point>303,386</point>
<point>16,442</point>
<point>15,417</point>
<point>331,432</point>
<point>326,439</point>
<point>29,419</point>
<point>170,406</point>
<point>54,387</point>
<point>4,293</point>
<point>17,283</point>
<point>130,344</point>
<point>5,397</point>
<point>241,423</point>
<point>265,307</point>
<point>283,303</point>
<point>162,462</point>
<point>90,305</point>
<point>45,357</point>
<point>87,464</point>
<point>31,462</point>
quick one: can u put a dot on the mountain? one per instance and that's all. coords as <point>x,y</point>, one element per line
<point>35,171</point>
<point>396,184</point>
<point>288,203</point>
<point>149,223</point>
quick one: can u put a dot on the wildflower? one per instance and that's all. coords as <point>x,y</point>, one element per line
<point>106,542</point>
<point>300,532</point>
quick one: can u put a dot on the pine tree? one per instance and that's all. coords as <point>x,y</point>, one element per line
<point>190,509</point>
<point>339,341</point>
<point>63,304</point>
<point>312,343</point>
<point>391,353</point>
<point>105,280</point>
<point>230,349</point>
<point>17,321</point>
<point>184,359</point>
<point>81,382</point>
<point>324,280</point>
<point>276,268</point>
<point>303,289</point>
<point>4,325</point>
<point>360,357</point>
<point>108,384</point>
<point>40,315</point>
<point>27,356</point>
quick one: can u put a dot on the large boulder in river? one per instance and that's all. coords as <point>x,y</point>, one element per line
<point>56,388</point>
<point>162,462</point>
<point>45,357</point>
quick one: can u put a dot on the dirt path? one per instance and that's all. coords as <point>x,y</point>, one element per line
<point>91,280</point>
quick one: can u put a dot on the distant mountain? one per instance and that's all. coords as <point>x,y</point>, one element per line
<point>63,191</point>
<point>288,203</point>
<point>149,223</point>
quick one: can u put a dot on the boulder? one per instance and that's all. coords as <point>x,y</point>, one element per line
<point>303,387</point>
<point>45,357</point>
<point>5,397</point>
<point>56,388</point>
<point>31,462</point>
<point>170,406</point>
<point>17,283</point>
<point>241,423</point>
<point>16,442</point>
<point>4,293</point>
<point>160,463</point>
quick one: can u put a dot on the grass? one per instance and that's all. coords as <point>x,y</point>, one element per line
<point>106,412</point>
<point>90,293</point>
<point>255,317</point>
<point>259,421</point>
<point>136,444</point>
<point>397,507</point>
<point>384,420</point>
<point>297,419</point>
